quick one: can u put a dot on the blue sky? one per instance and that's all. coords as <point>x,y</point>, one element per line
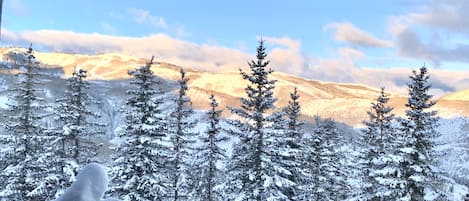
<point>229,23</point>
<point>341,41</point>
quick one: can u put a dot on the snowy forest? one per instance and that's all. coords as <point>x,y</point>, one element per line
<point>165,150</point>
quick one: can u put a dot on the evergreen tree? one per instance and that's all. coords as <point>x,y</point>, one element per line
<point>419,134</point>
<point>72,141</point>
<point>291,147</point>
<point>24,156</point>
<point>380,159</point>
<point>293,124</point>
<point>78,123</point>
<point>181,139</point>
<point>253,175</point>
<point>139,171</point>
<point>325,164</point>
<point>209,178</point>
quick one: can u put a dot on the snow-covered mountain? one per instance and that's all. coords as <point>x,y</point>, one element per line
<point>346,103</point>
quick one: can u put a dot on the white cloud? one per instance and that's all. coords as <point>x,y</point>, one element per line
<point>438,32</point>
<point>347,32</point>
<point>344,67</point>
<point>170,49</point>
<point>144,17</point>
<point>351,53</point>
<point>340,68</point>
<point>285,55</point>
<point>283,41</point>
<point>450,15</point>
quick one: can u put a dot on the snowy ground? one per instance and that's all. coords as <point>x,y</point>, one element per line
<point>454,148</point>
<point>90,185</point>
<point>3,102</point>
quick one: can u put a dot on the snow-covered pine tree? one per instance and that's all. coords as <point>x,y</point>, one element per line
<point>372,142</point>
<point>182,139</point>
<point>209,178</point>
<point>252,174</point>
<point>79,123</point>
<point>419,134</point>
<point>291,148</point>
<point>380,158</point>
<point>73,139</point>
<point>324,165</point>
<point>138,171</point>
<point>293,124</point>
<point>24,156</point>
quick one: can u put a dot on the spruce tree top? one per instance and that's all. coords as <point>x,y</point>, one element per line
<point>80,73</point>
<point>258,67</point>
<point>260,90</point>
<point>419,98</point>
<point>380,110</point>
<point>419,101</point>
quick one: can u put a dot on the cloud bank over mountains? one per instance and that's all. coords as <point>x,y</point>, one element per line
<point>434,33</point>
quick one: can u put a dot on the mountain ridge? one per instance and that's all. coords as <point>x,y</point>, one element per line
<point>346,102</point>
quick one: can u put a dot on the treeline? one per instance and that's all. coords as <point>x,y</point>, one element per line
<point>159,156</point>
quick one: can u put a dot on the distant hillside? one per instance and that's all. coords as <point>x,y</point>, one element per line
<point>344,102</point>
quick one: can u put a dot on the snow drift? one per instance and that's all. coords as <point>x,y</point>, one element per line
<point>90,185</point>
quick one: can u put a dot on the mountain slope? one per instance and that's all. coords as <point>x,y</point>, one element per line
<point>344,102</point>
<point>462,95</point>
